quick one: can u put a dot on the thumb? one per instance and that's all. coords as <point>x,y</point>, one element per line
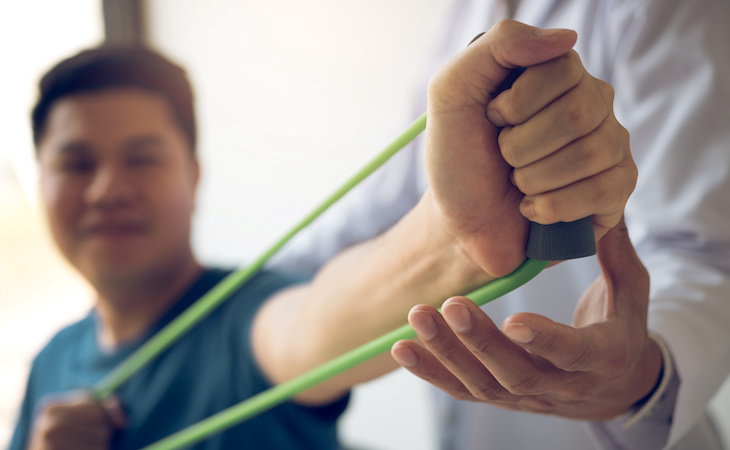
<point>481,67</point>
<point>618,258</point>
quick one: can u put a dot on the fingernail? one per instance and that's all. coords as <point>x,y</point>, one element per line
<point>423,323</point>
<point>476,37</point>
<point>405,356</point>
<point>458,316</point>
<point>542,32</point>
<point>519,332</point>
<point>495,117</point>
<point>527,208</point>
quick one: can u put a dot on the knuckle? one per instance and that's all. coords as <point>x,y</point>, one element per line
<point>598,153</point>
<point>449,355</point>
<point>628,183</point>
<point>461,393</point>
<point>606,91</point>
<point>633,174</point>
<point>524,181</point>
<point>555,344</point>
<point>618,149</point>
<point>485,345</point>
<point>511,105</point>
<point>572,67</point>
<point>427,375</point>
<point>577,114</point>
<point>523,384</point>
<point>611,190</point>
<point>510,149</point>
<point>436,88</point>
<point>589,159</point>
<point>546,209</point>
<point>603,191</point>
<point>489,391</point>
<point>579,359</point>
<point>502,26</point>
<point>624,137</point>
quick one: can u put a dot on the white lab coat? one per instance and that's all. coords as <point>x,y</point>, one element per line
<point>669,62</point>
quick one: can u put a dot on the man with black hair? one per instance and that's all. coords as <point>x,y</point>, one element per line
<point>115,137</point>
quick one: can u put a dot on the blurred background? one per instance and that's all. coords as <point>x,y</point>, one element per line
<point>292,98</point>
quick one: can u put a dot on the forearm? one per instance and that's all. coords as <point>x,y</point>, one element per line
<point>364,292</point>
<point>375,284</point>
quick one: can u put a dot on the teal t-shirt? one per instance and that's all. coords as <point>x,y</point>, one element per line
<point>209,369</point>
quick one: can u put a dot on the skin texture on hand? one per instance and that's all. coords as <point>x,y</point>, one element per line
<point>595,370</point>
<point>570,156</point>
<point>77,422</point>
<point>468,227</point>
<point>560,155</point>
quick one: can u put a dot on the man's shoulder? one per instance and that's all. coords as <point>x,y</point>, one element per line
<point>266,282</point>
<point>272,280</point>
<point>67,338</point>
<point>244,300</point>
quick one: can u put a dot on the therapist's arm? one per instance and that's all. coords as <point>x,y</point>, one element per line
<point>465,231</point>
<point>595,370</point>
<point>673,93</point>
<point>678,214</point>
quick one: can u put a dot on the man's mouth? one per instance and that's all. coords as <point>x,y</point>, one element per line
<point>116,229</point>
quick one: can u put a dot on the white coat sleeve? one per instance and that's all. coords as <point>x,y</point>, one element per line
<point>671,74</point>
<point>369,209</point>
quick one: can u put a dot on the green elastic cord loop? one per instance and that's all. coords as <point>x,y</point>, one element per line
<point>284,391</point>
<point>280,393</point>
<point>207,303</point>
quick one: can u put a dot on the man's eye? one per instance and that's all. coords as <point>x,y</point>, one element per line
<point>143,161</point>
<point>77,166</point>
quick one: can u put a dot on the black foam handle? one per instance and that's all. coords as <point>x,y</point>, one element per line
<point>561,240</point>
<point>558,241</point>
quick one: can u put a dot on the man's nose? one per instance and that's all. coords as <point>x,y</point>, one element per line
<point>110,186</point>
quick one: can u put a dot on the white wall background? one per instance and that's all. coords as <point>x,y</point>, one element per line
<point>293,97</point>
<point>38,292</point>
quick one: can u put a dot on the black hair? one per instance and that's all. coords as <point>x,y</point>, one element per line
<point>112,66</point>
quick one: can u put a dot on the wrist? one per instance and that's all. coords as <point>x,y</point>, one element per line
<point>659,402</point>
<point>453,255</point>
<point>649,372</point>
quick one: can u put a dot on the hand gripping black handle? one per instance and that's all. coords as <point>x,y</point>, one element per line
<point>561,240</point>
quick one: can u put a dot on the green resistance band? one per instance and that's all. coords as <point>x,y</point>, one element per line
<point>280,393</point>
<point>220,292</point>
<point>284,391</point>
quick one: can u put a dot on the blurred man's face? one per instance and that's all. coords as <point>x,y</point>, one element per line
<point>118,181</point>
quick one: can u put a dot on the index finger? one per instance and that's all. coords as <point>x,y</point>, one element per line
<point>516,370</point>
<point>536,88</point>
<point>588,349</point>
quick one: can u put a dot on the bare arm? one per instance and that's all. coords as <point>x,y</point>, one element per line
<point>466,230</point>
